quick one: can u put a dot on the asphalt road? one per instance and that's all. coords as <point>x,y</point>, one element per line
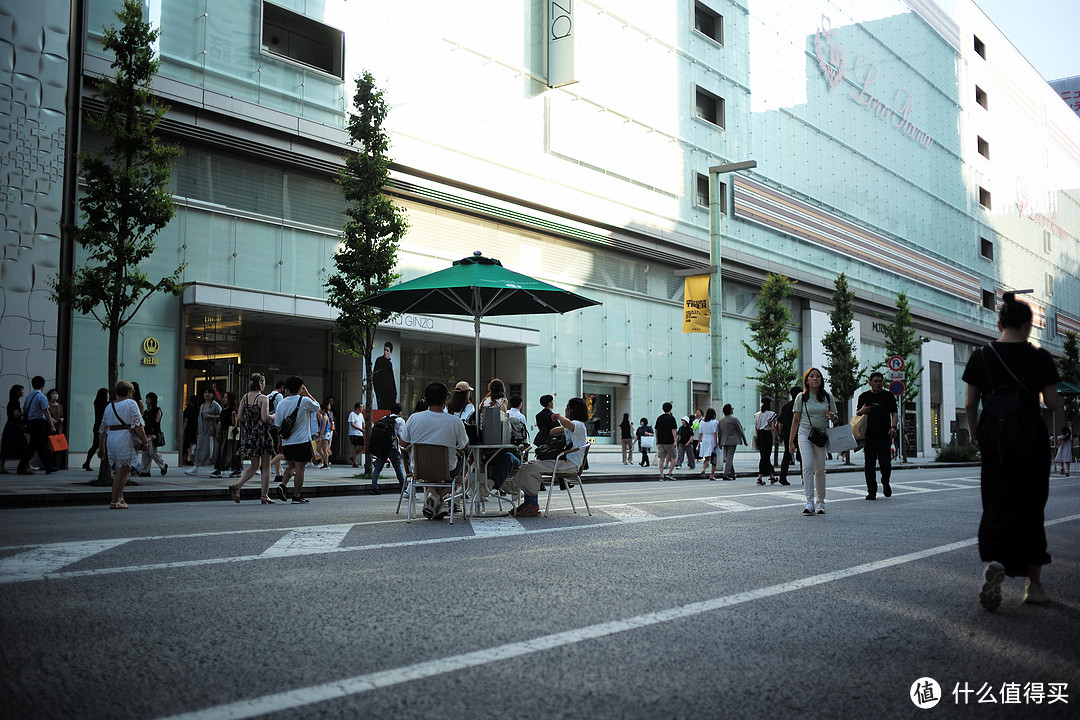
<point>674,600</point>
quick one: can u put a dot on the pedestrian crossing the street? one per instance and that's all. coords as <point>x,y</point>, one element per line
<point>118,555</point>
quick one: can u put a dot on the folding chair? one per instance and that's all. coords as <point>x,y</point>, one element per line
<point>569,476</point>
<point>429,471</point>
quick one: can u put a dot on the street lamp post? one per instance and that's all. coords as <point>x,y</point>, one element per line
<point>716,336</point>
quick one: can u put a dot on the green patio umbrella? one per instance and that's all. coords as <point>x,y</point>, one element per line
<point>479,287</point>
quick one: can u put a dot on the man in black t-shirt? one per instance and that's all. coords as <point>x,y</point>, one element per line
<point>666,429</point>
<point>880,407</point>
<point>544,421</point>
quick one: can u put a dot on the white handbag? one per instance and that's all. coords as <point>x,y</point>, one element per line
<point>841,438</point>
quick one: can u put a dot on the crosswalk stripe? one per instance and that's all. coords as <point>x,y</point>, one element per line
<point>728,504</point>
<point>791,495</point>
<point>48,559</point>
<point>850,490</point>
<point>310,540</point>
<point>628,513</point>
<point>497,527</point>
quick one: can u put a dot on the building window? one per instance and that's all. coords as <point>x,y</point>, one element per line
<point>988,299</point>
<point>1049,285</point>
<point>303,40</point>
<point>709,107</point>
<point>703,193</point>
<point>1048,245</point>
<point>980,97</point>
<point>984,148</point>
<point>709,22</point>
<point>984,197</point>
<point>986,248</point>
<point>980,48</point>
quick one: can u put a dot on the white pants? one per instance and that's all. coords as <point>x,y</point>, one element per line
<point>813,468</point>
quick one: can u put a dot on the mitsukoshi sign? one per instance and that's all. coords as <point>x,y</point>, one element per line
<point>863,72</point>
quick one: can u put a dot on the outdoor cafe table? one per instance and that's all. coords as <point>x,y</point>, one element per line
<point>476,483</point>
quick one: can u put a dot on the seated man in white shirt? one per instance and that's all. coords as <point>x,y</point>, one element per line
<point>527,480</point>
<point>435,427</point>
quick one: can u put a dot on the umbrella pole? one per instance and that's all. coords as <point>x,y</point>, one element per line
<point>476,354</point>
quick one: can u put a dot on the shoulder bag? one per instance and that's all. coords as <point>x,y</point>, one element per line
<point>136,441</point>
<point>289,423</point>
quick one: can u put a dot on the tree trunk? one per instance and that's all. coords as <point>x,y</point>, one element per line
<point>105,472</point>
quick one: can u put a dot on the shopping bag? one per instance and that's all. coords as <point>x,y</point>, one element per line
<point>58,443</point>
<point>858,426</point>
<point>647,442</point>
<point>841,438</point>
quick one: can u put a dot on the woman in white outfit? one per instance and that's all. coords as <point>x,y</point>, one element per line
<point>707,442</point>
<point>121,419</point>
<point>814,408</point>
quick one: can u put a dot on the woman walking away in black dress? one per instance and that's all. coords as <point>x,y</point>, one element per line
<point>13,442</point>
<point>100,403</point>
<point>1005,378</point>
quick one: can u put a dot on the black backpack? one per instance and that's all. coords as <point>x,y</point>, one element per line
<point>381,437</point>
<point>1006,426</point>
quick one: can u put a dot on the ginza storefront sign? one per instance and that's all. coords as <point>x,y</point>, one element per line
<point>832,60</point>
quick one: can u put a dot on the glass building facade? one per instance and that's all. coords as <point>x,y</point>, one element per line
<point>904,143</point>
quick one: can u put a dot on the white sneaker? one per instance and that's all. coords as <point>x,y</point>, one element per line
<point>820,507</point>
<point>809,509</point>
<point>1035,594</point>
<point>990,594</point>
<point>193,471</point>
<point>430,506</point>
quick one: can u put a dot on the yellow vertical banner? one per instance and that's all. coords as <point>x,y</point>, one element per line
<point>696,304</point>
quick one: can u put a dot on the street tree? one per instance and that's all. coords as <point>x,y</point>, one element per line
<point>842,365</point>
<point>125,199</point>
<point>367,255</point>
<point>902,340</point>
<point>771,348</point>
<point>1070,372</point>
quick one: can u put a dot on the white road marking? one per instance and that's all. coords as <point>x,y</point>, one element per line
<point>48,559</point>
<point>14,573</point>
<point>729,505</point>
<point>628,513</point>
<point>347,687</point>
<point>309,541</point>
<point>790,495</point>
<point>849,490</point>
<point>497,527</point>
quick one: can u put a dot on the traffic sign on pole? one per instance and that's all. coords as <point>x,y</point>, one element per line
<point>896,387</point>
<point>896,363</point>
<point>896,374</point>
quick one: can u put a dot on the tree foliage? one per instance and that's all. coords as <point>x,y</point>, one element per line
<point>367,255</point>
<point>771,348</point>
<point>126,199</point>
<point>842,367</point>
<point>901,339</point>
<point>1070,372</point>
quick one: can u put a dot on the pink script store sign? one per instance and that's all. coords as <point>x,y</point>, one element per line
<point>832,60</point>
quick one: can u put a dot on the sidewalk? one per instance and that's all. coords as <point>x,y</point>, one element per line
<point>605,465</point>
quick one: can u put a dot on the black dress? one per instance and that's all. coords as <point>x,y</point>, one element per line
<point>1015,487</point>
<point>13,442</point>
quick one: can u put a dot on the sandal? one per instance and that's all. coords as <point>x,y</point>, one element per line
<point>266,501</point>
<point>234,491</point>
<point>118,505</point>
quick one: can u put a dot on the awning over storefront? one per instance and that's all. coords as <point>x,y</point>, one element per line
<point>314,312</point>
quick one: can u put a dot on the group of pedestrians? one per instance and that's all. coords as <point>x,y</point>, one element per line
<point>31,420</point>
